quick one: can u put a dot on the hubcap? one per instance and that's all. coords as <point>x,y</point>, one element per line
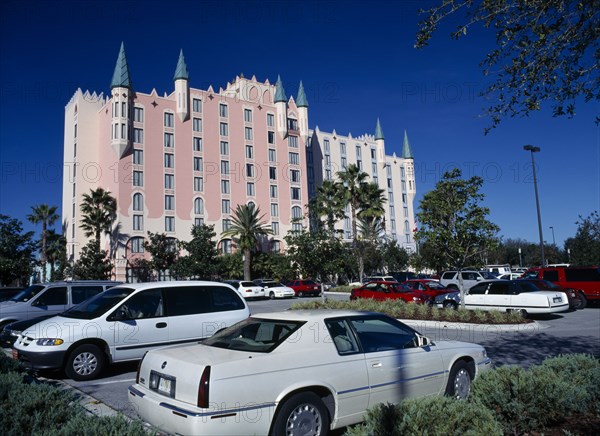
<point>85,363</point>
<point>305,420</point>
<point>462,384</point>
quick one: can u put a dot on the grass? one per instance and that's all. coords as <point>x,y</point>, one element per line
<point>401,310</point>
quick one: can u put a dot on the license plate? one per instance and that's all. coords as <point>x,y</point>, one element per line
<point>15,354</point>
<point>557,299</point>
<point>164,385</point>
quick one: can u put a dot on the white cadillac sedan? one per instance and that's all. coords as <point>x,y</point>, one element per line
<point>297,373</point>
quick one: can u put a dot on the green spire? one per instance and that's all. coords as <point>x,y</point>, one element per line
<point>378,131</point>
<point>406,152</point>
<point>181,72</point>
<point>279,92</point>
<point>121,75</point>
<point>301,101</point>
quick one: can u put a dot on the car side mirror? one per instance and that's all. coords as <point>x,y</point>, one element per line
<point>119,315</point>
<point>423,341</point>
<point>38,303</point>
<point>479,278</point>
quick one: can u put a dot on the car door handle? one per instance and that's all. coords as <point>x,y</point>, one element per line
<point>376,364</point>
<point>161,325</point>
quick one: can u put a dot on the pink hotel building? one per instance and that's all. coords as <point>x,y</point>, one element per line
<point>192,156</point>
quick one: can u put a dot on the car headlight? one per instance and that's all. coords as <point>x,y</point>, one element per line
<point>49,341</point>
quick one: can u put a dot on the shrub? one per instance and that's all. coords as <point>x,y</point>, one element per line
<point>9,365</point>
<point>428,416</point>
<point>86,425</point>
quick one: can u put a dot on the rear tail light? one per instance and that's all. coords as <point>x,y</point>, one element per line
<point>203,388</point>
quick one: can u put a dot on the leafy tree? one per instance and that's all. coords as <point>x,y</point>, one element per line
<point>202,260</point>
<point>93,263</point>
<point>454,227</point>
<point>47,216</point>
<point>16,251</point>
<point>246,228</point>
<point>546,51</point>
<point>585,246</point>
<point>351,181</point>
<point>99,212</point>
<point>231,266</point>
<point>141,269</point>
<point>395,257</point>
<point>164,251</point>
<point>273,265</point>
<point>57,255</point>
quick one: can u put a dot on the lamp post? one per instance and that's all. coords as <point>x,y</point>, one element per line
<point>520,259</point>
<point>533,149</point>
<point>553,240</point>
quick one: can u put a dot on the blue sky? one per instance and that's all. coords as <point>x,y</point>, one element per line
<point>357,63</point>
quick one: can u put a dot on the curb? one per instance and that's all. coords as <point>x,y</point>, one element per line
<point>528,327</point>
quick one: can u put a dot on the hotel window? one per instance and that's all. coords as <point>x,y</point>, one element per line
<point>169,160</point>
<point>197,164</point>
<point>393,224</point>
<point>138,178</point>
<point>223,110</point>
<point>271,137</point>
<point>292,124</point>
<point>138,202</point>
<point>295,192</point>
<point>359,164</point>
<point>248,133</point>
<point>138,157</point>
<point>296,227</point>
<point>272,155</point>
<point>169,140</point>
<point>224,129</point>
<point>326,145</point>
<point>374,169</point>
<point>199,206</point>
<point>197,105</point>
<point>405,212</point>
<point>169,181</point>
<point>343,149</point>
<point>138,114</point>
<point>226,223</point>
<point>270,120</point>
<point>226,246</point>
<point>296,212</point>
<point>273,191</point>
<point>249,170</point>
<point>275,228</point>
<point>293,141</point>
<point>197,144</point>
<point>169,119</point>
<point>169,224</point>
<point>137,245</point>
<point>169,202</point>
<point>248,115</point>
<point>224,148</point>
<point>328,161</point>
<point>138,222</point>
<point>402,175</point>
<point>274,209</point>
<point>224,186</point>
<point>224,167</point>
<point>197,124</point>
<point>294,158</point>
<point>327,174</point>
<point>250,189</point>
<point>404,198</point>
<point>295,175</point>
<point>403,184</point>
<point>358,151</point>
<point>138,136</point>
<point>272,173</point>
<point>344,163</point>
<point>373,155</point>
<point>275,247</point>
<point>390,197</point>
<point>198,184</point>
<point>198,222</point>
<point>225,206</point>
<point>249,152</point>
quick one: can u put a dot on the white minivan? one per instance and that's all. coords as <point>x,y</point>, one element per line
<point>124,322</point>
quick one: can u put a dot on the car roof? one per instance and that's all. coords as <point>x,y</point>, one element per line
<point>311,315</point>
<point>170,284</point>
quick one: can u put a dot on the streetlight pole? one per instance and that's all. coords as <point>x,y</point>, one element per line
<point>533,149</point>
<point>553,240</point>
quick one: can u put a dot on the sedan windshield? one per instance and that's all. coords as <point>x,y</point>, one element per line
<point>98,304</point>
<point>435,285</point>
<point>27,293</point>
<point>254,334</point>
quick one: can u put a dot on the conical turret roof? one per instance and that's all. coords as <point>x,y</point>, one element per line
<point>406,151</point>
<point>181,72</point>
<point>378,131</point>
<point>121,76</point>
<point>301,101</point>
<point>279,91</point>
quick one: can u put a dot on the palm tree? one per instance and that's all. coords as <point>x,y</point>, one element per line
<point>47,216</point>
<point>246,228</point>
<point>371,199</point>
<point>352,180</point>
<point>57,253</point>
<point>99,210</point>
<point>328,203</point>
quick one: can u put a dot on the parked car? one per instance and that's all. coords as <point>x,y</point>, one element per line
<point>275,289</point>
<point>575,297</point>
<point>247,289</point>
<point>498,270</point>
<point>11,331</point>
<point>430,287</point>
<point>297,372</point>
<point>305,287</point>
<point>470,278</point>
<point>584,278</point>
<point>387,291</point>
<point>510,276</point>
<point>124,322</point>
<point>49,299</point>
<point>9,292</point>
<point>379,279</point>
<point>507,295</point>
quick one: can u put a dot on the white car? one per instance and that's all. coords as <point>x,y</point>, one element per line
<point>510,276</point>
<point>247,289</point>
<point>507,295</point>
<point>277,290</point>
<point>297,372</point>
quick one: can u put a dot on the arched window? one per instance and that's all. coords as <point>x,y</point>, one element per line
<point>406,227</point>
<point>138,202</point>
<point>226,247</point>
<point>199,206</point>
<point>251,204</point>
<point>275,246</point>
<point>296,212</point>
<point>137,244</point>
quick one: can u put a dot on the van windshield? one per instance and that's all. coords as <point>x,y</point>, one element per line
<point>98,304</point>
<point>27,293</point>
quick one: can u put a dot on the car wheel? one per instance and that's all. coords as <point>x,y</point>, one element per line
<point>272,295</point>
<point>459,382</point>
<point>580,302</point>
<point>302,414</point>
<point>85,362</point>
<point>450,305</point>
<point>300,294</point>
